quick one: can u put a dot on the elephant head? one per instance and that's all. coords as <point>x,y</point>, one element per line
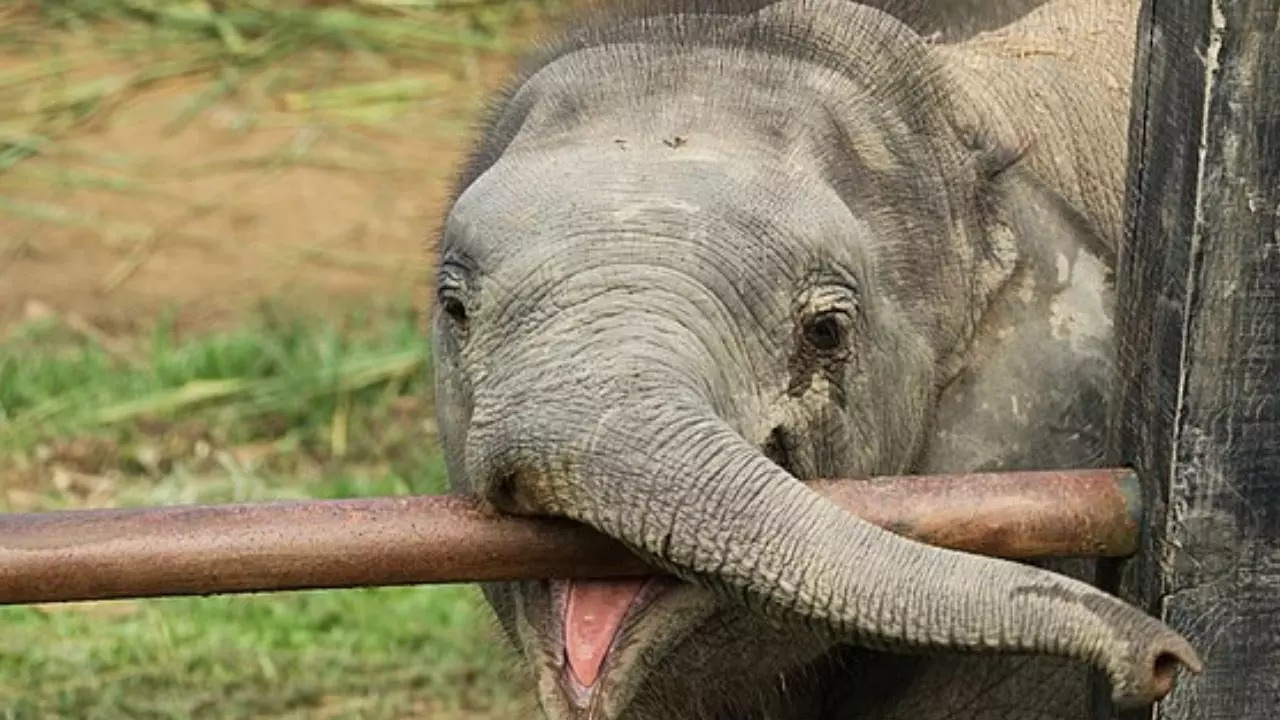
<point>696,261</point>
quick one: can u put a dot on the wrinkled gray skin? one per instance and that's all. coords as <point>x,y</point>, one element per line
<point>952,20</point>
<point>695,262</point>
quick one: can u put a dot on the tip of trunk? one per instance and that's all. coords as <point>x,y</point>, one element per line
<point>1151,676</point>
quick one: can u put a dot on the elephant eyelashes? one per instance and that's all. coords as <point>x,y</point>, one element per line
<point>826,312</point>
<point>826,317</point>
<point>450,295</point>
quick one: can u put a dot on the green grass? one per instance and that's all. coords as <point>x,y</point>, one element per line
<point>301,407</point>
<point>289,372</point>
<point>372,653</point>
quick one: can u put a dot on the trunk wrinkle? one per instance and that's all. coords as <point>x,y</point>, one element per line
<point>739,525</point>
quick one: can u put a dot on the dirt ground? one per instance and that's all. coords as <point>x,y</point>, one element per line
<point>209,218</point>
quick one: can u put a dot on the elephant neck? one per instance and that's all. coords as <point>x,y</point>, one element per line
<point>1056,85</point>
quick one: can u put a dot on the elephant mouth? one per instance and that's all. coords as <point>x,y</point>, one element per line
<point>595,619</point>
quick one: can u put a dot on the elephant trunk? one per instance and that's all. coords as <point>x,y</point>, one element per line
<point>663,474</point>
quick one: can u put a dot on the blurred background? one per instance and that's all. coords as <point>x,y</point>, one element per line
<point>215,220</point>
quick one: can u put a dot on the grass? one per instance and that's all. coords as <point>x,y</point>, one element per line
<point>279,406</point>
<point>226,44</point>
<point>282,406</point>
<point>375,653</point>
<point>303,374</point>
<point>288,63</point>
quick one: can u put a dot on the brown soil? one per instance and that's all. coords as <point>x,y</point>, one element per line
<point>212,224</point>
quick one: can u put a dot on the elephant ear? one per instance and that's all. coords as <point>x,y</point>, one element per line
<point>1040,216</point>
<point>1029,390</point>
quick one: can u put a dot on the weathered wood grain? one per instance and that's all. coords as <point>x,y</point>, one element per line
<point>1197,401</point>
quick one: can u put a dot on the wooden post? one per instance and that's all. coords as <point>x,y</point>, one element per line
<point>1197,401</point>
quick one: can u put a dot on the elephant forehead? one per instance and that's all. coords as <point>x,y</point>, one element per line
<point>583,208</point>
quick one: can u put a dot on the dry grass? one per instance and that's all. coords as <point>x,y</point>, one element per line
<point>136,134</point>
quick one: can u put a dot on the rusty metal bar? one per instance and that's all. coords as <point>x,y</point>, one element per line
<point>200,550</point>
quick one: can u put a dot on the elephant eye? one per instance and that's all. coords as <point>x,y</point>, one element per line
<point>826,331</point>
<point>451,295</point>
<point>454,308</point>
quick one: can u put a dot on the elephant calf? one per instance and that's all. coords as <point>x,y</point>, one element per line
<point>704,252</point>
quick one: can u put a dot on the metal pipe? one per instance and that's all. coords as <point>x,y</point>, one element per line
<point>200,550</point>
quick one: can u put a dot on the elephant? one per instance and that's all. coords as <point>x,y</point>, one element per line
<point>953,20</point>
<point>702,253</point>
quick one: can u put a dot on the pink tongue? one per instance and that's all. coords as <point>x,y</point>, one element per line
<point>592,616</point>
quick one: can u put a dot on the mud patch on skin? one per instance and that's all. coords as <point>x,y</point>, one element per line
<point>1079,314</point>
<point>1050,592</point>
